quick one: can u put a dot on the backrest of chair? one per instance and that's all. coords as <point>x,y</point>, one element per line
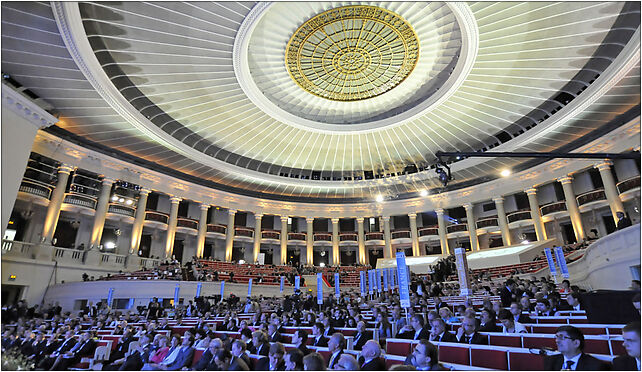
<point>523,360</point>
<point>596,345</point>
<point>101,353</point>
<point>539,340</point>
<point>198,353</point>
<point>133,346</point>
<point>391,360</point>
<point>398,346</point>
<point>617,346</point>
<point>454,353</point>
<point>514,340</point>
<point>489,358</point>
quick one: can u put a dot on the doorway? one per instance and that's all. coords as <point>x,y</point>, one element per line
<point>11,294</point>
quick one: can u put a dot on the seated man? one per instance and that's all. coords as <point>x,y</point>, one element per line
<point>438,332</point>
<point>207,358</point>
<point>370,358</point>
<point>63,347</point>
<point>313,362</point>
<point>239,352</point>
<point>260,343</point>
<point>180,357</point>
<point>361,336</point>
<point>416,330</point>
<point>508,323</point>
<point>317,332</point>
<point>223,361</point>
<point>488,321</point>
<point>570,344</point>
<point>347,363</point>
<point>83,348</point>
<point>630,362</point>
<point>300,339</point>
<point>274,361</point>
<point>543,308</point>
<point>573,301</point>
<point>425,357</point>
<point>336,344</point>
<point>135,360</point>
<point>294,360</point>
<point>468,334</point>
<point>518,315</point>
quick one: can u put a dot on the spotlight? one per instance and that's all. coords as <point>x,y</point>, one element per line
<point>505,173</point>
<point>121,200</point>
<point>423,192</point>
<point>444,175</point>
<point>114,198</point>
<point>379,198</point>
<point>129,202</point>
<point>110,245</point>
<point>322,264</point>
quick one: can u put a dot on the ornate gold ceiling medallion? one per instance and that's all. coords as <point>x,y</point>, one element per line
<point>352,53</point>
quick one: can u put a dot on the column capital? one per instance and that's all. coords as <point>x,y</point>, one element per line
<point>284,218</point>
<point>175,199</point>
<point>360,219</point>
<point>231,212</point>
<point>565,180</point>
<point>531,191</point>
<point>499,200</point>
<point>439,211</point>
<point>309,219</point>
<point>108,181</point>
<point>65,168</point>
<point>385,218</point>
<point>204,207</point>
<point>605,165</point>
<point>144,191</point>
<point>412,215</point>
<point>258,216</point>
<point>334,220</point>
<point>468,206</point>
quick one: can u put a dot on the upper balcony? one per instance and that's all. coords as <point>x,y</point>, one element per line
<point>323,237</point>
<point>428,233</point>
<point>187,225</point>
<point>629,188</point>
<point>216,229</point>
<point>41,191</point>
<point>155,218</point>
<point>121,210</point>
<point>519,218</point>
<point>79,203</point>
<point>348,237</point>
<point>552,210</point>
<point>400,234</point>
<point>374,237</point>
<point>271,234</point>
<point>591,200</point>
<point>297,236</point>
<point>488,224</point>
<point>245,233</point>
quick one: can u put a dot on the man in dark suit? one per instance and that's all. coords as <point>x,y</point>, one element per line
<point>370,359</point>
<point>508,294</point>
<point>631,336</point>
<point>300,339</point>
<point>139,356</point>
<point>238,353</point>
<point>260,343</point>
<point>336,344</point>
<point>361,336</point>
<point>317,332</point>
<point>416,330</point>
<point>83,348</point>
<point>543,308</point>
<point>520,317</point>
<point>64,347</point>
<point>467,333</point>
<point>207,358</point>
<point>622,220</point>
<point>274,335</point>
<point>122,347</point>
<point>573,301</point>
<point>570,344</point>
<point>438,333</point>
<point>274,361</point>
<point>488,321</point>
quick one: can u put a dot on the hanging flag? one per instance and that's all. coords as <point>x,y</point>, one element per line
<point>362,282</point>
<point>378,274</point>
<point>561,262</point>
<point>370,282</point>
<point>385,279</point>
<point>199,287</point>
<point>297,282</point>
<point>551,263</point>
<point>337,290</point>
<point>110,297</point>
<point>176,291</point>
<point>320,288</point>
<point>404,290</point>
<point>222,289</point>
<point>249,288</point>
<point>282,284</point>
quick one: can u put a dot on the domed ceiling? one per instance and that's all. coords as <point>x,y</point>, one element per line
<point>327,101</point>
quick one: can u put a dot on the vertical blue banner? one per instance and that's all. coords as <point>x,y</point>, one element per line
<point>249,288</point>
<point>297,282</point>
<point>176,291</point>
<point>110,297</point>
<point>370,282</point>
<point>385,279</point>
<point>378,274</point>
<point>561,261</point>
<point>404,290</point>
<point>337,290</point>
<point>362,282</point>
<point>282,284</point>
<point>199,287</point>
<point>222,289</point>
<point>549,259</point>
<point>130,304</point>
<point>320,288</point>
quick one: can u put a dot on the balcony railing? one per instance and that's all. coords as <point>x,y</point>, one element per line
<point>518,216</point>
<point>121,209</point>
<point>243,231</point>
<point>35,188</point>
<point>400,234</point>
<point>457,228</point>
<point>296,236</point>
<point>156,217</point>
<point>559,206</point>
<point>187,223</point>
<point>427,231</point>
<point>213,228</point>
<point>322,237</point>
<point>270,234</point>
<point>487,222</point>
<point>591,196</point>
<point>374,236</point>
<point>113,259</point>
<point>69,254</point>
<point>628,184</point>
<point>18,248</point>
<point>348,237</point>
<point>80,200</point>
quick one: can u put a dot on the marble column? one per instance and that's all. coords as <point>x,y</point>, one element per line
<point>139,221</point>
<point>472,227</point>
<point>336,259</point>
<point>387,250</point>
<point>202,230</point>
<point>443,240</point>
<point>361,241</point>
<point>612,196</point>
<point>535,214</point>
<point>414,235</point>
<point>257,237</point>
<point>101,212</point>
<point>309,241</point>
<point>571,207</point>
<point>171,226</point>
<point>502,221</point>
<point>283,257</point>
<point>229,235</point>
<point>57,196</point>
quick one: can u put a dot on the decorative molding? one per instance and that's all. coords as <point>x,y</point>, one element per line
<point>231,212</point>
<point>204,207</point>
<point>499,200</point>
<point>604,166</point>
<point>108,181</point>
<point>175,199</point>
<point>66,168</point>
<point>25,108</point>
<point>531,191</point>
<point>565,180</point>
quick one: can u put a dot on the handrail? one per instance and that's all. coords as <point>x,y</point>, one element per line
<point>80,200</point>
<point>487,222</point>
<point>243,231</point>
<point>35,188</point>
<point>121,209</point>
<point>628,184</point>
<point>296,236</point>
<point>348,236</point>
<point>591,196</point>
<point>374,235</point>
<point>428,231</point>
<point>156,217</point>
<point>457,227</point>
<point>400,234</point>
<point>215,228</point>
<point>187,223</point>
<point>518,216</point>
<point>324,237</point>
<point>553,207</point>
<point>270,234</point>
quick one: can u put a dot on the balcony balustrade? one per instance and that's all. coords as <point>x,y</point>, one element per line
<point>213,228</point>
<point>400,234</point>
<point>243,231</point>
<point>296,236</point>
<point>322,237</point>
<point>348,237</point>
<point>35,188</point>
<point>487,222</point>
<point>80,200</point>
<point>156,217</point>
<point>628,184</point>
<point>67,254</point>
<point>113,259</point>
<point>122,210</point>
<point>427,231</point>
<point>374,236</point>
<point>519,216</point>
<point>187,223</point>
<point>457,228</point>
<point>591,196</point>
<point>270,234</point>
<point>559,206</point>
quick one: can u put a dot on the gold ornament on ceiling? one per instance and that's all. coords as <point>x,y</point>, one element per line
<point>352,53</point>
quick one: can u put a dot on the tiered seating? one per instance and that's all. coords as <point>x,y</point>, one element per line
<point>242,273</point>
<point>508,270</point>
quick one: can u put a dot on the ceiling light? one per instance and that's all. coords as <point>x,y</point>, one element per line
<point>423,192</point>
<point>114,198</point>
<point>121,200</point>
<point>129,202</point>
<point>110,245</point>
<point>379,198</point>
<point>505,173</point>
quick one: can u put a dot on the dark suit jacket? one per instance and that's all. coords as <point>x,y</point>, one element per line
<point>525,319</point>
<point>506,296</point>
<point>476,339</point>
<point>585,363</point>
<point>360,339</point>
<point>263,364</point>
<point>322,341</point>
<point>238,364</point>
<point>625,363</point>
<point>447,337</point>
<point>265,349</point>
<point>335,361</point>
<point>66,345</point>
<point>304,349</point>
<point>276,338</point>
<point>136,360</point>
<point>203,361</point>
<point>490,327</point>
<point>183,359</point>
<point>374,365</point>
<point>424,334</point>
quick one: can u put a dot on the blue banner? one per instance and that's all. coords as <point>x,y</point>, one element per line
<point>549,259</point>
<point>130,304</point>
<point>222,289</point>
<point>362,282</point>
<point>337,290</point>
<point>282,284</point>
<point>370,282</point>
<point>176,291</point>
<point>378,274</point>
<point>404,290</point>
<point>199,287</point>
<point>297,282</point>
<point>320,288</point>
<point>249,288</point>
<point>561,261</point>
<point>110,297</point>
<point>385,279</point>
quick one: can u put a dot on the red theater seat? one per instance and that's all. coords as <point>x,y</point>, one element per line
<point>506,340</point>
<point>596,346</point>
<point>450,352</point>
<point>398,347</point>
<point>525,361</point>
<point>539,341</point>
<point>489,358</point>
<point>618,347</point>
<point>198,353</point>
